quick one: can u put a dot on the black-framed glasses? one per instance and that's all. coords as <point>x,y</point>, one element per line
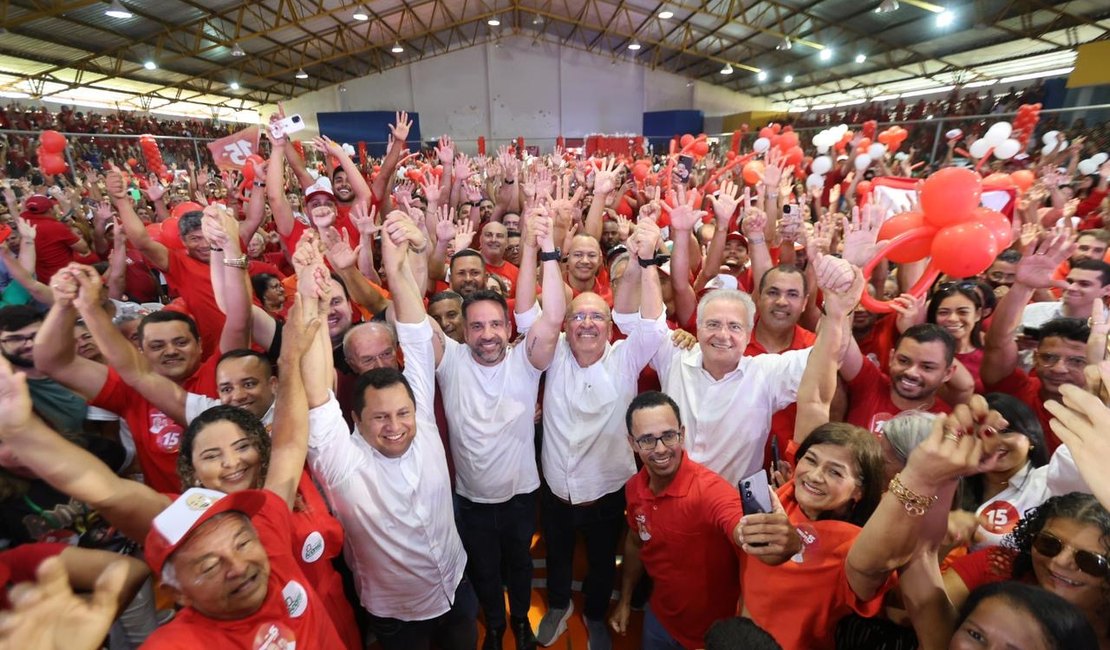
<point>17,339</point>
<point>966,285</point>
<point>669,439</point>
<point>1047,360</point>
<point>1090,563</point>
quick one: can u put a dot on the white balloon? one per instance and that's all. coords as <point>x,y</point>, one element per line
<point>1099,158</point>
<point>1050,137</point>
<point>979,148</point>
<point>823,148</point>
<point>818,139</point>
<point>843,128</point>
<point>1087,167</point>
<point>1007,149</point>
<point>953,134</point>
<point>876,150</point>
<point>761,145</point>
<point>821,165</point>
<point>815,180</point>
<point>863,161</point>
<point>998,133</point>
<point>1048,149</point>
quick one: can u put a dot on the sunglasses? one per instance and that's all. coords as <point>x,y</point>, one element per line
<point>1090,563</point>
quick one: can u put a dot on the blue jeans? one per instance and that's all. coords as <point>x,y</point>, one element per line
<point>655,636</point>
<point>496,534</point>
<point>457,629</point>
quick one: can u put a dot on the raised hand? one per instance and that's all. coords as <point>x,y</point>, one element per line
<point>605,180</point>
<point>461,169</point>
<point>26,230</point>
<point>115,185</point>
<point>725,203</point>
<point>337,248</point>
<point>365,221</point>
<point>15,399</point>
<point>773,170</point>
<point>64,286</point>
<point>645,239</point>
<point>445,226</point>
<point>307,252</point>
<point>684,214</point>
<point>1035,270</point>
<point>861,233</point>
<point>326,145</point>
<point>445,150</point>
<point>910,310</point>
<point>154,190</point>
<point>90,285</point>
<point>400,127</point>
<point>464,235</point>
<point>754,224</point>
<point>212,225</point>
<point>841,282</point>
<point>1079,420</point>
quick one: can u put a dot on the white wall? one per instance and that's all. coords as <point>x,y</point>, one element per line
<point>520,89</point>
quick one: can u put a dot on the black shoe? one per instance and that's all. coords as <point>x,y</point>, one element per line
<point>494,636</point>
<point>525,637</point>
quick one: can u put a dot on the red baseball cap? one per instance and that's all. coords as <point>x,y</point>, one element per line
<point>38,204</point>
<point>172,526</point>
<point>736,235</point>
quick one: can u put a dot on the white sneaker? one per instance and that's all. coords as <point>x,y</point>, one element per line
<point>553,624</point>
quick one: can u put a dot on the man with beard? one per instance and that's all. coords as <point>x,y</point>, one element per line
<point>583,264</point>
<point>492,245</point>
<point>63,409</point>
<point>922,360</point>
<point>610,235</point>
<point>586,460</point>
<point>489,393</point>
<point>1061,352</point>
<point>446,308</point>
<point>468,272</point>
<point>1000,274</point>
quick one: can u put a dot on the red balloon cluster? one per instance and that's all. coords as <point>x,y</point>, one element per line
<point>694,146</point>
<point>151,154</point>
<point>961,237</point>
<point>893,137</point>
<point>641,169</point>
<point>1025,122</point>
<point>786,141</point>
<point>51,158</point>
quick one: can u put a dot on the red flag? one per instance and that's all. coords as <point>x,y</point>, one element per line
<point>231,152</point>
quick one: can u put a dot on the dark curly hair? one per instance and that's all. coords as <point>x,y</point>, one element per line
<point>1079,506</point>
<point>251,427</point>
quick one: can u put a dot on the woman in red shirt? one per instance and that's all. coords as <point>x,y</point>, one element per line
<point>957,307</point>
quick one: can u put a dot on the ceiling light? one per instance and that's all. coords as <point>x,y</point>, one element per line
<point>945,18</point>
<point>762,76</point>
<point>860,58</point>
<point>537,20</point>
<point>237,51</point>
<point>784,45</point>
<point>887,6</point>
<point>666,15</point>
<point>727,69</point>
<point>150,65</point>
<point>234,85</point>
<point>493,22</point>
<point>301,74</point>
<point>634,45</point>
<point>397,49</point>
<point>117,10</point>
<point>826,54</point>
<point>342,88</point>
<point>788,78</point>
<point>360,14</point>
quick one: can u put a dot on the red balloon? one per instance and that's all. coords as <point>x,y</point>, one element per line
<point>863,144</point>
<point>53,163</point>
<point>776,142</point>
<point>794,157</point>
<point>999,225</point>
<point>1023,178</point>
<point>686,140</point>
<point>753,171</point>
<point>964,249</point>
<point>998,178</point>
<point>949,196</point>
<point>52,141</point>
<point>776,128</point>
<point>766,132</point>
<point>132,162</point>
<point>899,224</point>
<point>701,147</point>
<point>788,140</point>
<point>730,155</point>
<point>641,170</point>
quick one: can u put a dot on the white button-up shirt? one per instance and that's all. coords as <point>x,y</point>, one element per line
<point>491,414</point>
<point>397,513</point>
<point>585,448</point>
<point>727,421</point>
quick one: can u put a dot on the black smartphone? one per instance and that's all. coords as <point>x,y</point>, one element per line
<point>776,457</point>
<point>755,494</point>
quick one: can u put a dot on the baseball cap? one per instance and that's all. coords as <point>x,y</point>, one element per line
<point>172,526</point>
<point>38,204</point>
<point>736,235</point>
<point>181,209</point>
<point>723,281</point>
<point>322,184</point>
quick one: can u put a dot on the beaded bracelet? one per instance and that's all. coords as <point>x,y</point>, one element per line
<point>916,505</point>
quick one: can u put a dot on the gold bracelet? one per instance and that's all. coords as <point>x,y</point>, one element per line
<point>237,262</point>
<point>916,505</point>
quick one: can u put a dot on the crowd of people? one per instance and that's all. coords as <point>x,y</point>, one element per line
<point>336,410</point>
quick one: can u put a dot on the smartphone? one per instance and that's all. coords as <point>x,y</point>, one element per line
<point>685,167</point>
<point>288,125</point>
<point>755,494</point>
<point>776,457</point>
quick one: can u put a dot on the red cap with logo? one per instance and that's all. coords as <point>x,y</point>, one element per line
<point>172,526</point>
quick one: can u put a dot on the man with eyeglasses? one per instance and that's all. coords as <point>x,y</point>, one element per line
<point>681,515</point>
<point>585,458</point>
<point>62,408</point>
<point>1061,352</point>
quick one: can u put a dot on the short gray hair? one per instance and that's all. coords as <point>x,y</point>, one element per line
<point>907,430</point>
<point>734,296</point>
<point>368,325</point>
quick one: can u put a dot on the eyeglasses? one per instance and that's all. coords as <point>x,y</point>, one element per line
<point>17,339</point>
<point>1090,563</point>
<point>582,317</point>
<point>966,285</point>
<point>670,439</point>
<point>1049,360</point>
<point>373,360</point>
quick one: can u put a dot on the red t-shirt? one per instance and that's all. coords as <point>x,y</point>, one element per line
<point>342,222</point>
<point>602,289</point>
<point>507,270</point>
<point>877,344</point>
<point>157,437</point>
<point>292,613</point>
<point>800,601</point>
<point>20,564</point>
<point>1027,388</point>
<point>870,404</point>
<point>973,361</point>
<point>687,548</point>
<point>782,422</point>
<point>192,280</point>
<point>53,245</point>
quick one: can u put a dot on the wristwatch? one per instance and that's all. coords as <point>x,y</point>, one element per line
<point>260,183</point>
<point>554,256</point>
<point>658,260</point>
<point>237,262</point>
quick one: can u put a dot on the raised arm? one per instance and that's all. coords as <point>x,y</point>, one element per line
<point>344,260</point>
<point>408,304</point>
<point>544,334</point>
<point>724,207</point>
<point>683,217</point>
<point>230,280</point>
<point>605,183</point>
<point>332,148</point>
<point>399,132</point>
<point>154,251</point>
<point>275,187</point>
<point>55,346</point>
<point>256,205</point>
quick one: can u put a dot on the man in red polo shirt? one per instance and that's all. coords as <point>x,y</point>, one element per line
<point>55,243</point>
<point>680,512</point>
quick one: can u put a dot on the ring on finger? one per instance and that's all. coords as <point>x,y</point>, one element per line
<point>952,436</point>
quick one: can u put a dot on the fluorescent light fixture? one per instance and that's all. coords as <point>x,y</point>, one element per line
<point>493,22</point>
<point>666,15</point>
<point>727,69</point>
<point>796,109</point>
<point>887,6</point>
<point>929,116</point>
<point>117,10</point>
<point>234,85</point>
<point>860,58</point>
<point>342,88</point>
<point>634,45</point>
<point>237,51</point>
<point>927,91</point>
<point>981,84</point>
<point>1037,75</point>
<point>397,49</point>
<point>945,18</point>
<point>788,78</point>
<point>537,20</point>
<point>822,107</point>
<point>360,14</point>
<point>850,102</point>
<point>825,54</point>
<point>762,76</point>
<point>150,65</point>
<point>886,98</point>
<point>301,74</point>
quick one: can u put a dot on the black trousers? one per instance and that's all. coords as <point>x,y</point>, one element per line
<point>601,524</point>
<point>496,534</point>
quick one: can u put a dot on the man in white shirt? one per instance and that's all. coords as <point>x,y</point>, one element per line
<point>489,392</point>
<point>389,483</point>
<point>1088,282</point>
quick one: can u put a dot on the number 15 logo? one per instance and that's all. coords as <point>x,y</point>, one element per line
<point>238,151</point>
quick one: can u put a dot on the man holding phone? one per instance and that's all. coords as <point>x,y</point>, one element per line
<point>677,509</point>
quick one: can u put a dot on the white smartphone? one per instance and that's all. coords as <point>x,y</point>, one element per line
<point>288,125</point>
<point>755,494</point>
